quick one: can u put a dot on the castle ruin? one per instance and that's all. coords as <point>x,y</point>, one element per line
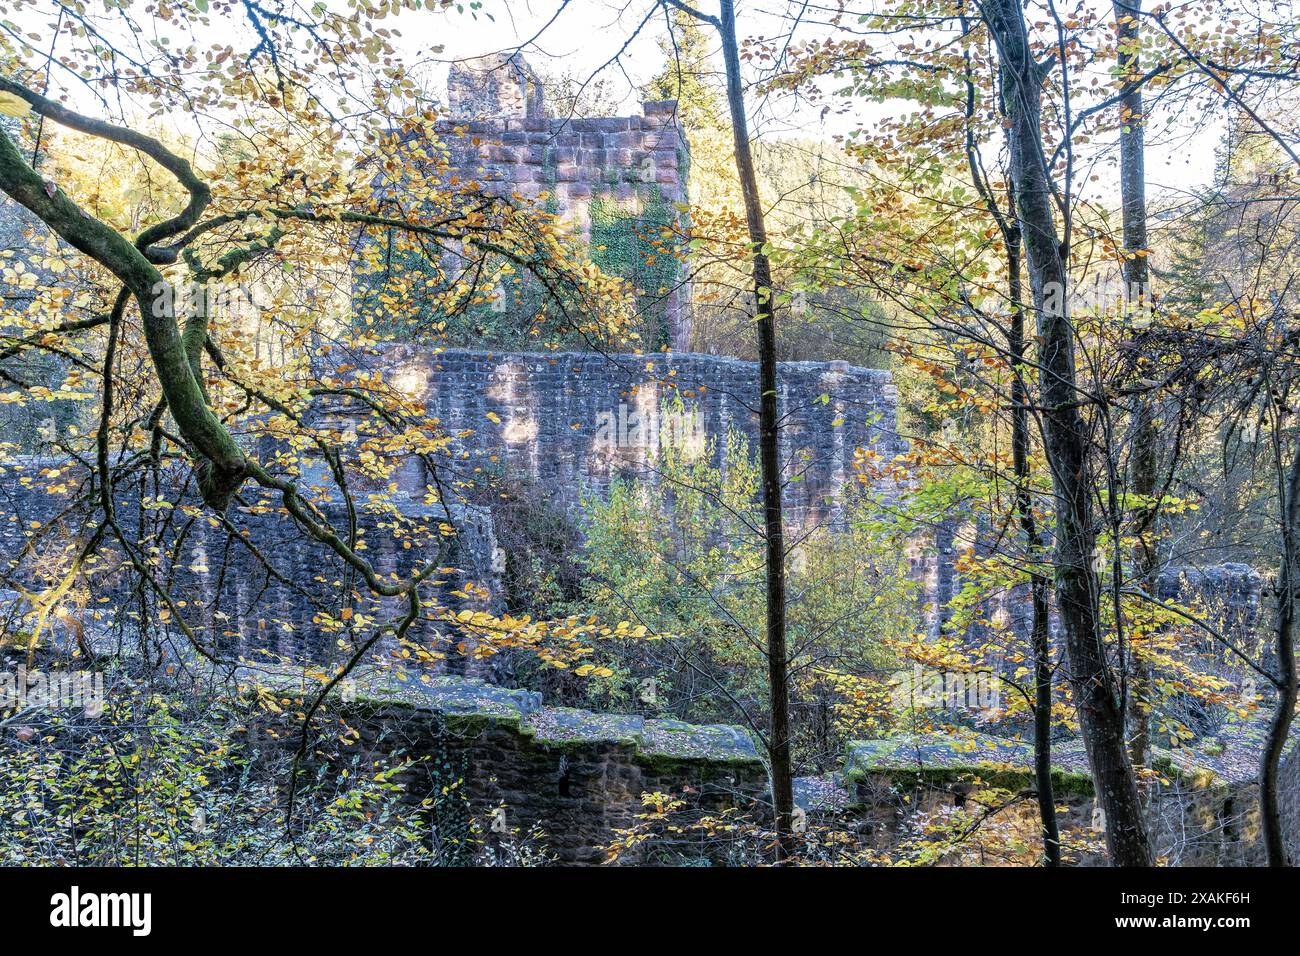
<point>614,179</point>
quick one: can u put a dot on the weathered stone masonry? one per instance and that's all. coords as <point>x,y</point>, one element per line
<point>571,422</point>
<point>235,603</point>
<point>630,168</point>
<point>1200,807</point>
<point>576,775</point>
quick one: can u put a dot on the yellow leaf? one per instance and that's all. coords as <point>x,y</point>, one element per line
<point>11,104</point>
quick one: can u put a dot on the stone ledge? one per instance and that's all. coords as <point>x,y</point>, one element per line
<point>1003,763</point>
<point>469,703</point>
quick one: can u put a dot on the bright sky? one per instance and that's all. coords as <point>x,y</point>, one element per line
<point>581,37</point>
<point>586,34</point>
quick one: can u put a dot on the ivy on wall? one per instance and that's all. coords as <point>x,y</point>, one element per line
<point>500,313</point>
<point>636,241</point>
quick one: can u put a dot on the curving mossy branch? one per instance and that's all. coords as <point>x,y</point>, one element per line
<point>222,464</point>
<point>177,354</point>
<point>491,225</point>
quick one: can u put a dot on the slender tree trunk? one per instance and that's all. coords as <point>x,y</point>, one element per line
<point>1040,635</point>
<point>1143,466</point>
<point>769,447</point>
<point>1066,445</point>
<point>1279,726</point>
<point>1137,290</point>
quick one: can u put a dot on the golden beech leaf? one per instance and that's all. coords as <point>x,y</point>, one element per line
<point>11,104</point>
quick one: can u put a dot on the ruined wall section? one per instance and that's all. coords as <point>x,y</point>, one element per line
<point>256,586</point>
<point>617,180</point>
<point>1201,809</point>
<point>498,756</point>
<point>569,423</point>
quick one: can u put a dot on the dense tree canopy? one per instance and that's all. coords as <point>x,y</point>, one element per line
<point>222,220</point>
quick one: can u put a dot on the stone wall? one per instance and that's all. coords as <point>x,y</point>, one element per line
<point>1230,597</point>
<point>625,172</point>
<point>576,776</point>
<point>1201,807</point>
<point>568,422</point>
<point>256,586</point>
<point>492,86</point>
<point>571,422</point>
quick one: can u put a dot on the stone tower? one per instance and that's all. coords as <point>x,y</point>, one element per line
<point>493,86</point>
<point>618,180</point>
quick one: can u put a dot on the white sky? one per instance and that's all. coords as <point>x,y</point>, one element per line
<point>579,37</point>
<point>586,34</point>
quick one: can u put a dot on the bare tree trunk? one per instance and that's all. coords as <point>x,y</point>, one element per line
<point>1279,726</point>
<point>1040,637</point>
<point>769,448</point>
<point>1137,290</point>
<point>1100,714</point>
